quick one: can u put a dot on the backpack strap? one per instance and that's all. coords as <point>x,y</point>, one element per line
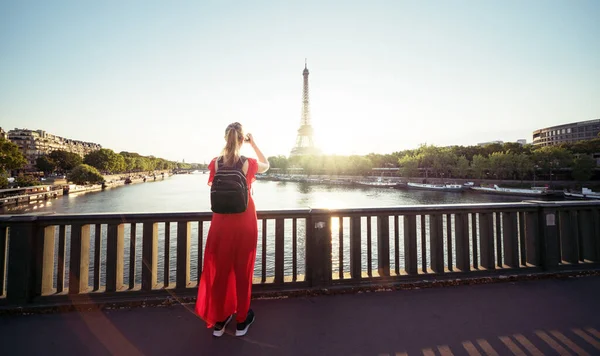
<point>238,165</point>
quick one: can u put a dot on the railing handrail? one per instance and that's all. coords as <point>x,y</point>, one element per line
<point>204,215</point>
<point>477,238</point>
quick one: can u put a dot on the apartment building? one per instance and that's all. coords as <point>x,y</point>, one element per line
<point>36,143</point>
<point>567,133</point>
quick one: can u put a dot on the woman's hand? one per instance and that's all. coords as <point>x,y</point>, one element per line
<point>263,163</point>
<point>250,139</point>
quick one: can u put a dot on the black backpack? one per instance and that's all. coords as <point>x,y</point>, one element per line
<point>229,190</point>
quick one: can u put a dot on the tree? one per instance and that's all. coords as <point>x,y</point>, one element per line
<point>488,149</point>
<point>586,146</point>
<point>513,147</point>
<point>461,168</point>
<point>118,164</point>
<point>427,155</point>
<point>479,165</point>
<point>105,160</point>
<point>549,158</point>
<point>10,156</point>
<point>583,168</point>
<point>141,164</point>
<point>85,174</point>
<point>467,151</point>
<point>359,165</point>
<point>443,161</point>
<point>409,166</point>
<point>26,181</point>
<point>3,181</point>
<point>151,163</point>
<point>45,164</point>
<point>129,163</point>
<point>523,165</point>
<point>502,165</point>
<point>331,164</point>
<point>64,160</point>
<point>279,162</point>
<point>382,161</point>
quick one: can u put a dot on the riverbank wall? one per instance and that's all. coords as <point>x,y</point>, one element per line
<point>554,184</point>
<point>58,187</point>
<point>137,177</point>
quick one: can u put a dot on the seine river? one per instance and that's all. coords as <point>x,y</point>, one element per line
<point>185,193</point>
<point>189,192</point>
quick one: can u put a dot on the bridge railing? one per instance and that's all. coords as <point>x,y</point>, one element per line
<point>83,258</point>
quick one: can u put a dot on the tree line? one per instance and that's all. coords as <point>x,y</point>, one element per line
<point>88,169</point>
<point>495,161</point>
<point>501,161</point>
<point>106,161</point>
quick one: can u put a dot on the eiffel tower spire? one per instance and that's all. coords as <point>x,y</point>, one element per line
<point>305,142</point>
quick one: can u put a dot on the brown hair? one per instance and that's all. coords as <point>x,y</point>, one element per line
<point>234,135</point>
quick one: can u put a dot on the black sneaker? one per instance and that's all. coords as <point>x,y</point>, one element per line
<point>242,328</point>
<point>219,329</point>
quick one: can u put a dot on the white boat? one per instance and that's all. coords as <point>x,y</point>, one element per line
<point>441,187</point>
<point>379,183</point>
<point>75,188</point>
<point>586,193</point>
<point>534,191</point>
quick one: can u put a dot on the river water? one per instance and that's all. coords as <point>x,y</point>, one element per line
<point>186,193</point>
<point>189,192</point>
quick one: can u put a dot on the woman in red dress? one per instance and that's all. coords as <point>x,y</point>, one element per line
<point>226,280</point>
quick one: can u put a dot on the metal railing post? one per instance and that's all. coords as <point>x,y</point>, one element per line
<point>318,249</point>
<point>548,236</point>
<point>20,286</point>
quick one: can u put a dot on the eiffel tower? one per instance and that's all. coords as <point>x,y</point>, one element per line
<point>305,144</point>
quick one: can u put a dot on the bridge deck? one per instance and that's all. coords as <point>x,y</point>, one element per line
<point>543,317</point>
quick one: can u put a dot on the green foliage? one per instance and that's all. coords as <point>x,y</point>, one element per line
<point>409,166</point>
<point>26,181</point>
<point>492,148</point>
<point>10,156</point>
<point>584,147</point>
<point>159,165</point>
<point>383,161</point>
<point>358,165</point>
<point>3,181</point>
<point>503,161</point>
<point>45,164</point>
<point>583,167</point>
<point>106,160</point>
<point>480,165</point>
<point>502,165</point>
<point>523,165</point>
<point>85,174</point>
<point>461,168</point>
<point>279,162</point>
<point>443,162</point>
<point>118,164</point>
<point>324,164</point>
<point>550,158</point>
<point>129,163</point>
<point>141,164</point>
<point>65,161</point>
<point>103,160</point>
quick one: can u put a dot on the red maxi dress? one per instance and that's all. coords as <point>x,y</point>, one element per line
<point>226,280</point>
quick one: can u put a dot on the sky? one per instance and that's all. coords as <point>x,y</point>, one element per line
<point>165,78</point>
